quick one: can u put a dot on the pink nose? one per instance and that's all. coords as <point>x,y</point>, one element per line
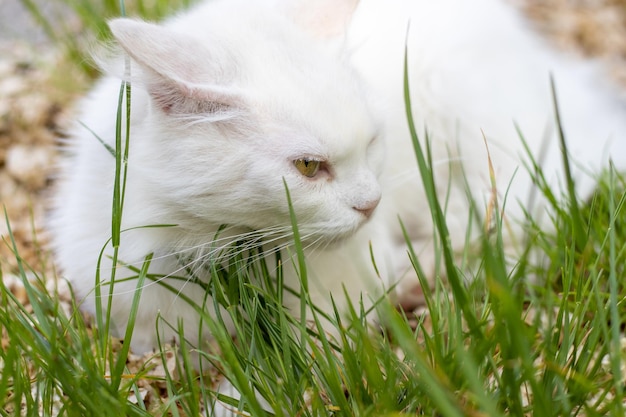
<point>367,208</point>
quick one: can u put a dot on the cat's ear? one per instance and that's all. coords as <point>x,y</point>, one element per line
<point>180,73</point>
<point>324,19</point>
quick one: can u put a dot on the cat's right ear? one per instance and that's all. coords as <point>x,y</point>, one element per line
<point>183,77</point>
<point>324,19</point>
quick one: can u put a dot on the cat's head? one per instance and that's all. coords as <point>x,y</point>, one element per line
<point>241,104</point>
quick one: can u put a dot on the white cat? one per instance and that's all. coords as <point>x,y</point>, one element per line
<point>234,96</point>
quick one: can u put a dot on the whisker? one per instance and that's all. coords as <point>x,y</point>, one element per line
<point>195,257</point>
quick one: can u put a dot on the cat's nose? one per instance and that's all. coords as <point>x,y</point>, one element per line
<point>367,208</point>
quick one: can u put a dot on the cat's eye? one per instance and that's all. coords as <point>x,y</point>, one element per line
<point>308,167</point>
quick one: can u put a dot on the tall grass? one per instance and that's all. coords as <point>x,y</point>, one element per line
<point>498,344</point>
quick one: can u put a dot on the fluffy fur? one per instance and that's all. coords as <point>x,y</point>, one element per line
<point>229,94</point>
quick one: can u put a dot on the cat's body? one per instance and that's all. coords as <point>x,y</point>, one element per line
<point>281,88</point>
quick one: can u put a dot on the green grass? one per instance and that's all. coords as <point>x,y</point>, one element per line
<point>479,349</point>
<point>502,344</point>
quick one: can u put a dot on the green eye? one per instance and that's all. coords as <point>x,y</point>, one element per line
<point>307,167</point>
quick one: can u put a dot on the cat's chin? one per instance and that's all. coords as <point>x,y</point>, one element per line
<point>327,238</point>
<point>313,238</point>
<point>334,242</point>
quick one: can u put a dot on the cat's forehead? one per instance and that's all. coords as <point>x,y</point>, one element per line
<point>322,96</point>
<point>327,122</point>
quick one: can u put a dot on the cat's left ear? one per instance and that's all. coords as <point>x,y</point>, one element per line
<point>180,73</point>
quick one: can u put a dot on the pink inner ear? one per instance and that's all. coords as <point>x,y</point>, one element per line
<point>178,98</point>
<point>163,95</point>
<point>325,18</point>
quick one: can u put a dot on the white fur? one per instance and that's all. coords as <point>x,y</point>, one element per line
<point>225,97</point>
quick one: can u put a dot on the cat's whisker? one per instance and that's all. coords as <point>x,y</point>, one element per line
<point>222,253</point>
<point>232,115</point>
<point>250,238</point>
<point>195,258</point>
